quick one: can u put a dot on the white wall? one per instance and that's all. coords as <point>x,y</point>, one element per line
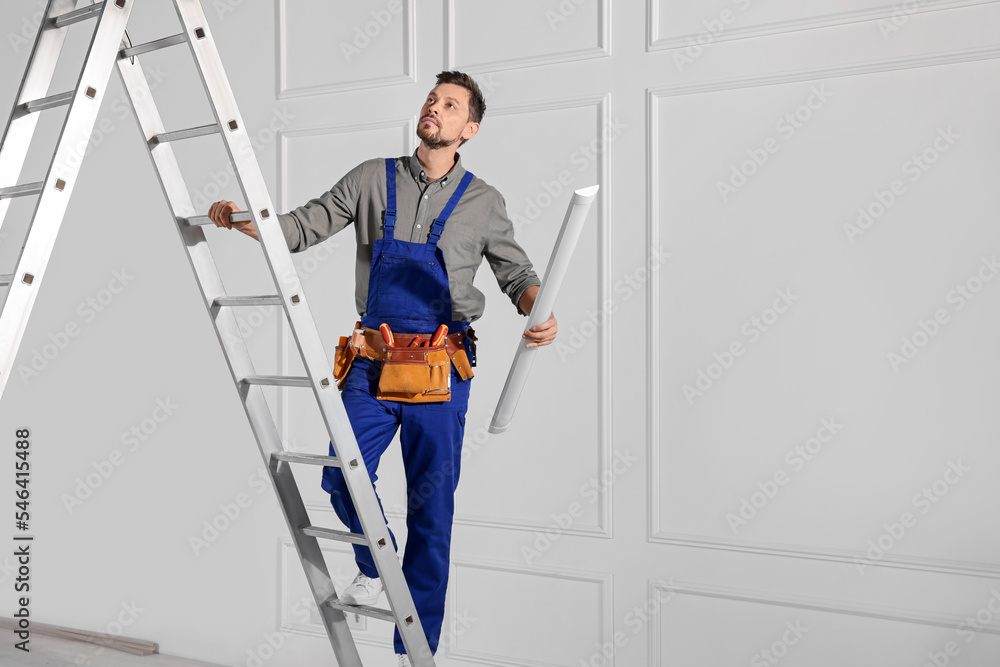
<point>672,268</point>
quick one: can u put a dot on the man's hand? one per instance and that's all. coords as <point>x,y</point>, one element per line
<point>220,212</point>
<point>544,333</point>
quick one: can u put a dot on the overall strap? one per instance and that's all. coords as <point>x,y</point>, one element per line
<point>389,215</point>
<point>438,225</point>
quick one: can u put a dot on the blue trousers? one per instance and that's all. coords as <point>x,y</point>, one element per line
<point>431,441</point>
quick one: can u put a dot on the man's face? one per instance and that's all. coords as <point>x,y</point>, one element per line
<point>444,117</point>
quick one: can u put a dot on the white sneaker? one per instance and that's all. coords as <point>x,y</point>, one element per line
<point>363,590</point>
<point>404,660</point>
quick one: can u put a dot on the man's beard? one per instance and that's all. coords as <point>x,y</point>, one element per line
<point>431,140</point>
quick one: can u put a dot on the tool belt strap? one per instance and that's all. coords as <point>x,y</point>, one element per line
<point>372,345</point>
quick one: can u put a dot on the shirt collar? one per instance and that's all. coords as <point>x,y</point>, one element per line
<point>456,173</point>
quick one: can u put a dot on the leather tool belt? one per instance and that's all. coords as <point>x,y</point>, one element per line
<point>412,370</point>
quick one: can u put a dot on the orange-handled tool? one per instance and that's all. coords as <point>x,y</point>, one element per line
<point>386,334</point>
<point>439,334</point>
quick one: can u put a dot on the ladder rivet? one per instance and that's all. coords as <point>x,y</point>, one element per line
<point>60,184</point>
<point>199,33</point>
<point>27,279</point>
<point>381,543</point>
<point>233,125</point>
<point>325,382</point>
<point>295,298</point>
<point>91,92</point>
<point>353,463</point>
<point>265,214</point>
<point>409,620</point>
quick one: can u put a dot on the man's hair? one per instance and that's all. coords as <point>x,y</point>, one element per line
<point>477,103</point>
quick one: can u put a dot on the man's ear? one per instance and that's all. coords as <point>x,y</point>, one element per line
<point>471,129</point>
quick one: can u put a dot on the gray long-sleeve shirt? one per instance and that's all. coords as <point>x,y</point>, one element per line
<point>479,227</point>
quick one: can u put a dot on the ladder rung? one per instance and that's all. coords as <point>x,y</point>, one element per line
<point>184,134</point>
<point>5,280</point>
<point>278,380</point>
<point>263,300</point>
<point>363,609</point>
<point>133,51</point>
<point>339,535</point>
<point>241,216</point>
<point>77,15</point>
<point>309,459</point>
<point>49,102</point>
<point>21,190</point>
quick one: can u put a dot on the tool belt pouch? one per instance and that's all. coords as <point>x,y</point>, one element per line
<point>342,358</point>
<point>461,361</point>
<point>415,375</point>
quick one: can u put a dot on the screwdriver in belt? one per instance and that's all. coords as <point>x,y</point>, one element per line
<point>436,339</point>
<point>386,334</point>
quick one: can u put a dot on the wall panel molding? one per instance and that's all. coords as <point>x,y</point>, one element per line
<point>656,42</point>
<point>286,346</point>
<point>877,612</point>
<point>603,579</point>
<point>602,50</point>
<point>408,75</point>
<point>602,103</point>
<point>655,532</point>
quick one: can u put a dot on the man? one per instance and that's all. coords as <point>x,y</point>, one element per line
<point>423,225</point>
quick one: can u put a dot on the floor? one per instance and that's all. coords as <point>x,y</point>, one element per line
<point>49,651</point>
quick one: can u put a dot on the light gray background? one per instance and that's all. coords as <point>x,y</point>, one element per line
<point>671,270</point>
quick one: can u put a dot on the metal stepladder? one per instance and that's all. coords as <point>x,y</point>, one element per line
<point>108,46</point>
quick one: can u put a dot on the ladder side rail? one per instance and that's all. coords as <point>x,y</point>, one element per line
<point>20,128</point>
<point>50,209</point>
<point>238,359</point>
<point>302,324</point>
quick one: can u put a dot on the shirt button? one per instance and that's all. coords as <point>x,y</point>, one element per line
<point>425,196</point>
<point>418,226</point>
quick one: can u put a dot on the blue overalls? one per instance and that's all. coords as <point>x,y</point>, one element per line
<point>408,290</point>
